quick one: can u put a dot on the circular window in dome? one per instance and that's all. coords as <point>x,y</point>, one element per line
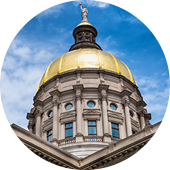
<point>69,106</point>
<point>91,104</point>
<point>131,114</point>
<point>113,106</point>
<point>50,113</point>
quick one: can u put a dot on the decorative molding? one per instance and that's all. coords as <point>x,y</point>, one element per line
<point>128,151</point>
<point>91,114</point>
<point>69,116</point>
<point>47,124</point>
<point>33,151</point>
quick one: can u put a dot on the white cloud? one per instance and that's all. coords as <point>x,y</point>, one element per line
<point>22,69</point>
<point>14,11</point>
<point>91,3</point>
<point>156,94</point>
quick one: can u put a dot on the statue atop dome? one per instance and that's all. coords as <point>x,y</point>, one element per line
<point>84,12</point>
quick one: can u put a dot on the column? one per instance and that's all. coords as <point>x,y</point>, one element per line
<point>104,115</point>
<point>86,127</point>
<point>55,122</point>
<point>74,129</point>
<point>106,136</point>
<point>30,126</point>
<point>38,123</point>
<point>79,114</point>
<point>79,135</point>
<point>142,121</point>
<point>62,131</point>
<point>127,118</point>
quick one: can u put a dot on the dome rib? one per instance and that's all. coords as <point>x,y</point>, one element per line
<point>61,62</point>
<point>115,62</point>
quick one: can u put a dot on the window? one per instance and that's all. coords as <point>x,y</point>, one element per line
<point>69,106</point>
<point>91,104</point>
<point>115,130</point>
<point>50,113</point>
<point>69,130</point>
<point>49,135</point>
<point>131,114</point>
<point>112,106</point>
<point>133,132</point>
<point>92,128</point>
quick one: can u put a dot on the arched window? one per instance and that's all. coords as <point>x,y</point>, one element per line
<point>113,106</point>
<point>131,114</point>
<point>50,113</point>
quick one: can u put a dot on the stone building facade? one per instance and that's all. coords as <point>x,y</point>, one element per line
<point>88,114</point>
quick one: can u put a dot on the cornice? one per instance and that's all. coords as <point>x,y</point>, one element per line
<point>109,155</point>
<point>13,141</point>
<point>127,151</point>
<point>55,92</point>
<point>38,103</point>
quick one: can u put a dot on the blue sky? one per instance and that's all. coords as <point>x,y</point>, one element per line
<point>48,35</point>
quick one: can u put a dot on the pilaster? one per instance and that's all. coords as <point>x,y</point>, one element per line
<point>79,136</point>
<point>103,89</point>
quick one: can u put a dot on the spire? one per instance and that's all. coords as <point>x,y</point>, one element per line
<point>84,34</point>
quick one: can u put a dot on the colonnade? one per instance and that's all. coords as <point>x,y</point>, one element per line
<point>77,125</point>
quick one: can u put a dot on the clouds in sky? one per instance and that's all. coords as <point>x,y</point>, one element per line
<point>155,93</point>
<point>22,68</point>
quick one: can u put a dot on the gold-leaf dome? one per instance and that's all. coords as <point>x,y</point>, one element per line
<point>86,58</point>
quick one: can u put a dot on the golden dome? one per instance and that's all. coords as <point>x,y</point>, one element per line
<point>86,58</point>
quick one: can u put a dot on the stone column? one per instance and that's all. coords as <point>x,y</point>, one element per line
<point>30,125</point>
<point>38,123</point>
<point>62,133</point>
<point>74,129</point>
<point>106,136</point>
<point>142,120</point>
<point>55,122</point>
<point>127,117</point>
<point>55,94</point>
<point>85,127</point>
<point>79,135</point>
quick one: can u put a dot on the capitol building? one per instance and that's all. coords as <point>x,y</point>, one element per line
<point>88,111</point>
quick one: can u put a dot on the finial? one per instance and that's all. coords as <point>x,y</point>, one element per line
<point>84,12</point>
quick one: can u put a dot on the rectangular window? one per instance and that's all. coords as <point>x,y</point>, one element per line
<point>115,130</point>
<point>69,130</point>
<point>92,128</point>
<point>49,135</point>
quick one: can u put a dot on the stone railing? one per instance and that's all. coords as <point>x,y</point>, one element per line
<point>66,141</point>
<point>93,138</point>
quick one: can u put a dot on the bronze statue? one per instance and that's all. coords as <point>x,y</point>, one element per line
<point>84,13</point>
